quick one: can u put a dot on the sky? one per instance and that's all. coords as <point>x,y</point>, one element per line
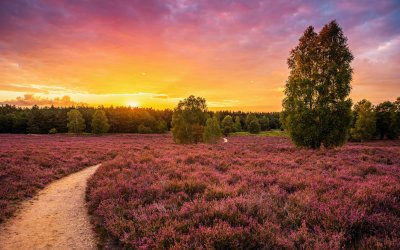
<point>153,53</point>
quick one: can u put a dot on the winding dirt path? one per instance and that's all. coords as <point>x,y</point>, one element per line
<point>56,218</point>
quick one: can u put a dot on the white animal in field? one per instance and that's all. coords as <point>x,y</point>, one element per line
<point>225,139</point>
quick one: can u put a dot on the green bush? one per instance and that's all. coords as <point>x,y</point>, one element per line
<point>227,125</point>
<point>212,131</point>
<point>237,125</point>
<point>254,127</point>
<point>53,131</point>
<point>142,129</point>
<point>365,121</point>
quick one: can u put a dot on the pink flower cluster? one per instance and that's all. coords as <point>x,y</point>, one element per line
<point>249,193</point>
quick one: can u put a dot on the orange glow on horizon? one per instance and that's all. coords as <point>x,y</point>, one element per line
<point>156,53</point>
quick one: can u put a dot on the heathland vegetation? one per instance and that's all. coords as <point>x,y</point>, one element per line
<point>172,191</point>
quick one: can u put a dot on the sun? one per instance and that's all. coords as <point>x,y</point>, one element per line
<point>133,104</point>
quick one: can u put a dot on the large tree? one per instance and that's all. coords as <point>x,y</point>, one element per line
<point>316,109</point>
<point>76,123</point>
<point>100,122</point>
<point>189,119</point>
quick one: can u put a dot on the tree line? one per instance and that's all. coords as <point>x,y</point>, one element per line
<point>375,122</point>
<point>44,120</point>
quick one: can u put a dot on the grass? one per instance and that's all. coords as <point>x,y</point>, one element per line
<point>273,132</point>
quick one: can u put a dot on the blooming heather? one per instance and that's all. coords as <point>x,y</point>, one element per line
<point>29,162</point>
<point>250,193</point>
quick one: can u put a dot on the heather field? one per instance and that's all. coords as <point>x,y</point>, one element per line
<point>29,162</point>
<point>249,193</point>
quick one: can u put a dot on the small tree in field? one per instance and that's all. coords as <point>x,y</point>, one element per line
<point>212,130</point>
<point>386,120</point>
<point>227,125</point>
<point>237,125</point>
<point>249,118</point>
<point>316,109</point>
<point>254,126</point>
<point>264,123</point>
<point>188,120</point>
<point>365,122</point>
<point>100,122</point>
<point>76,123</point>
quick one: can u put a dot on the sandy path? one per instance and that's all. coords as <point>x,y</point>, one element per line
<point>55,219</point>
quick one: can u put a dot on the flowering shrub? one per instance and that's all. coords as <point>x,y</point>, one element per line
<point>29,162</point>
<point>251,193</point>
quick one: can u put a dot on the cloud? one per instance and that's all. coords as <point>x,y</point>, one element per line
<point>206,45</point>
<point>160,97</point>
<point>29,100</point>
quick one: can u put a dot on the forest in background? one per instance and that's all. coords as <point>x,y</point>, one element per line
<point>40,120</point>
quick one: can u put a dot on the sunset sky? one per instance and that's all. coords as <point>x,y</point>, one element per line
<point>153,53</point>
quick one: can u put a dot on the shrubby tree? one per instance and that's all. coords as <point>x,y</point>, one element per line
<point>143,129</point>
<point>365,122</point>
<point>76,123</point>
<point>237,125</point>
<point>227,125</point>
<point>53,131</point>
<point>386,120</point>
<point>161,126</point>
<point>188,120</point>
<point>100,122</point>
<point>264,123</point>
<point>254,126</point>
<point>316,109</point>
<point>212,130</point>
<point>249,118</point>
<point>396,120</point>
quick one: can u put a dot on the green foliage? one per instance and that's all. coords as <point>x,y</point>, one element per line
<point>387,120</point>
<point>271,133</point>
<point>100,122</point>
<point>237,125</point>
<point>121,119</point>
<point>264,123</point>
<point>396,121</point>
<point>316,109</point>
<point>227,125</point>
<point>365,123</point>
<point>254,126</point>
<point>35,120</point>
<point>212,130</point>
<point>76,123</point>
<point>161,126</point>
<point>188,120</point>
<point>53,131</point>
<point>143,129</point>
<point>250,117</point>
